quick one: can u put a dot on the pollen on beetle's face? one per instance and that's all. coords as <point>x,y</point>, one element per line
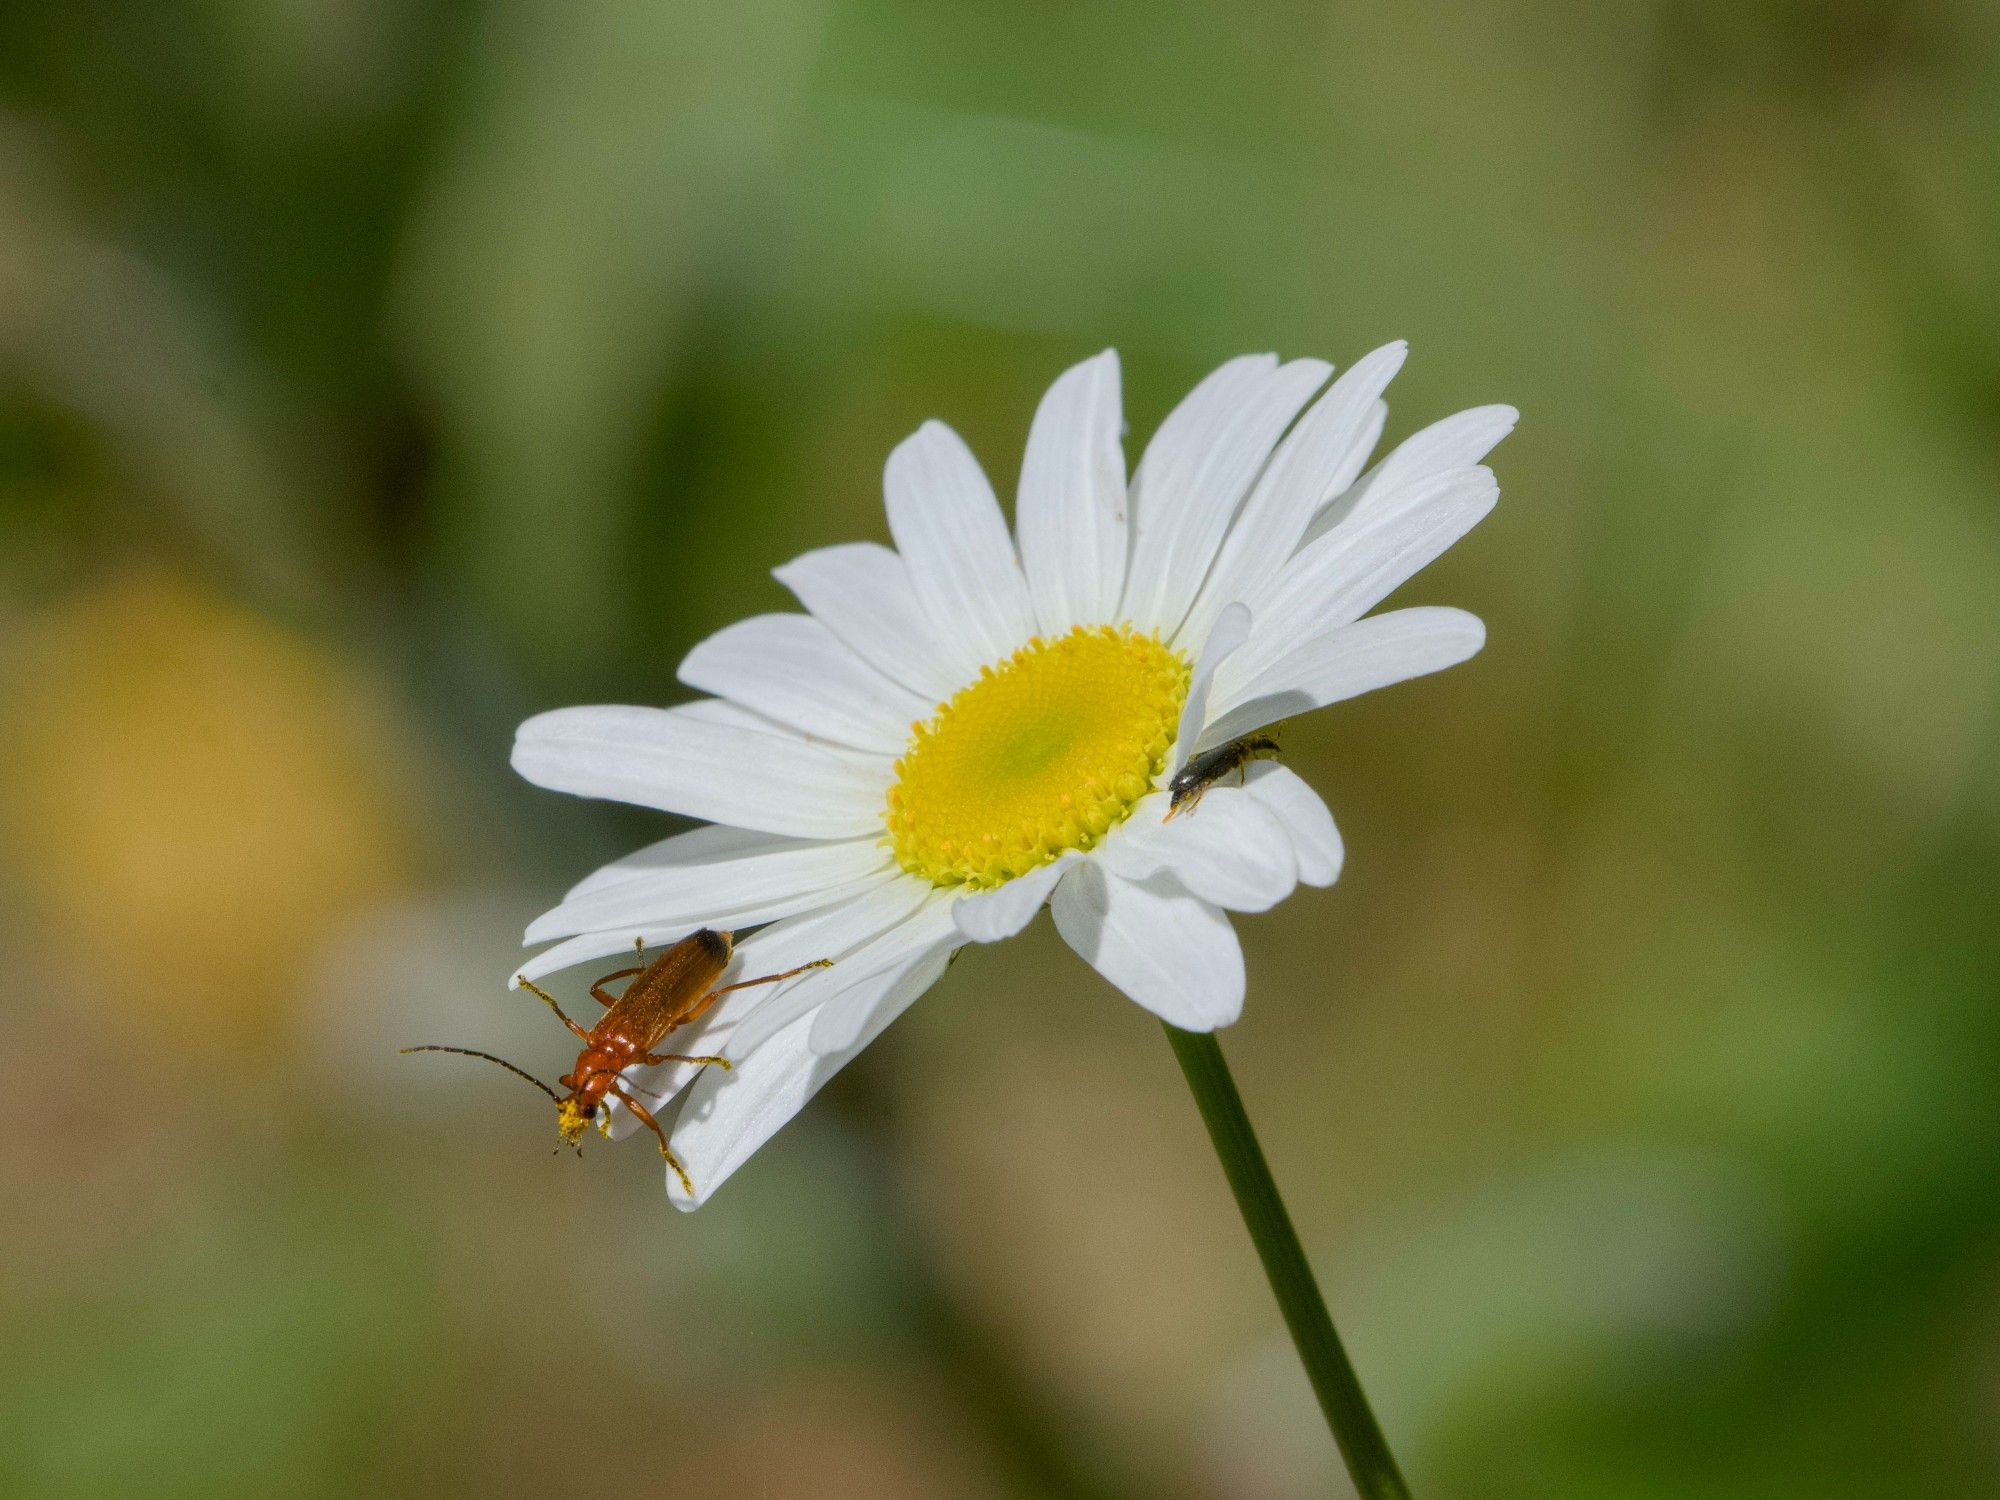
<point>1044,754</point>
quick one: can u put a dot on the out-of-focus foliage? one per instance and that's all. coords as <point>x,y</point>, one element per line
<point>374,372</point>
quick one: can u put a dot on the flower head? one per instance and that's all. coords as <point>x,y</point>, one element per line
<point>974,723</point>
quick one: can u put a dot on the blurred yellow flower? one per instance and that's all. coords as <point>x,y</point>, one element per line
<point>192,797</point>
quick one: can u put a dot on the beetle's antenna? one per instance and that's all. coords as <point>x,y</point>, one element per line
<point>517,1072</point>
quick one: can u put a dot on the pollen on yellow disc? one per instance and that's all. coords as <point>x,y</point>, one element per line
<point>1043,754</point>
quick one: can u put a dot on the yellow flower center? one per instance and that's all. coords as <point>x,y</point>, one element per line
<point>1045,753</point>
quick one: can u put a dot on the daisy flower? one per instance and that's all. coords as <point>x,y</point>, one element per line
<point>973,724</point>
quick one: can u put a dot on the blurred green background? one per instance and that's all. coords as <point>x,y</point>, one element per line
<point>376,372</point>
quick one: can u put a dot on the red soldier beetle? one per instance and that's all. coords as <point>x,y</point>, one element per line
<point>666,993</point>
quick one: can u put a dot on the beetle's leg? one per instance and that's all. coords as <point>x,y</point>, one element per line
<point>653,1059</point>
<point>743,984</point>
<point>535,989</point>
<point>645,1117</point>
<point>597,989</point>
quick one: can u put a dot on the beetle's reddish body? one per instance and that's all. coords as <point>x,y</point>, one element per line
<point>673,989</point>
<point>666,993</point>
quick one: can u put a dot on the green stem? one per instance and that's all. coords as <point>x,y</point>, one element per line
<point>1369,1461</point>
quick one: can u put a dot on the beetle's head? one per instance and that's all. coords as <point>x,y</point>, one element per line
<point>574,1115</point>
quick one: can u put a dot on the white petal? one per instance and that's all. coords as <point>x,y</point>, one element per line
<point>990,916</point>
<point>729,1115</point>
<point>1317,460</point>
<point>1355,659</point>
<point>1195,473</point>
<point>861,591</point>
<point>710,843</point>
<point>1162,486</point>
<point>796,671</point>
<point>1364,447</point>
<point>609,942</point>
<point>1229,849</point>
<point>844,1019</point>
<point>914,979</point>
<point>1070,509</point>
<point>721,773</point>
<point>1172,952</point>
<point>948,527</point>
<point>724,893</point>
<point>1304,817</point>
<point>1457,442</point>
<point>1337,579</point>
<point>736,716</point>
<point>875,918</point>
<point>1232,629</point>
<point>730,1025</point>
